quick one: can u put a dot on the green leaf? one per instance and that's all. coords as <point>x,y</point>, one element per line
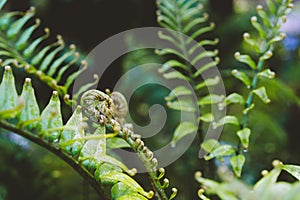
<point>202,55</point>
<point>293,193</point>
<point>211,99</point>
<point>25,36</point>
<point>262,94</point>
<point>208,83</point>
<point>169,38</point>
<point>51,119</point>
<point>246,110</point>
<point>76,132</point>
<point>183,129</point>
<point>206,67</point>
<point>266,74</point>
<point>92,150</point>
<point>271,6</point>
<point>264,16</point>
<point>104,169</point>
<point>209,145</point>
<point>261,187</point>
<point>172,64</point>
<point>28,52</point>
<point>50,56</point>
<point>208,117</point>
<point>220,151</point>
<point>244,135</point>
<point>113,161</point>
<point>8,92</point>
<point>242,77</point>
<point>226,120</point>
<point>245,59</point>
<point>121,191</point>
<point>251,42</point>
<point>184,105</point>
<point>166,22</point>
<point>258,27</point>
<point>293,170</point>
<point>235,98</point>
<point>37,59</point>
<point>7,18</point>
<point>194,22</point>
<point>237,163</point>
<point>75,74</point>
<point>277,38</point>
<point>31,109</point>
<point>132,196</point>
<point>59,61</point>
<point>202,30</point>
<point>189,14</point>
<point>116,143</point>
<point>174,74</point>
<point>16,27</point>
<point>114,176</point>
<point>178,91</point>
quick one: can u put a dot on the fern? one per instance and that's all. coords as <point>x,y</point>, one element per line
<point>98,125</point>
<point>86,153</point>
<point>50,63</point>
<point>186,17</point>
<point>266,188</point>
<point>268,30</point>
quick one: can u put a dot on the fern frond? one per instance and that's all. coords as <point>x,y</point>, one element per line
<point>265,188</point>
<point>49,63</point>
<point>87,155</point>
<point>267,28</point>
<point>186,23</point>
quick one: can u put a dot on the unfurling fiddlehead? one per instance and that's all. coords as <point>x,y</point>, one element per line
<point>85,152</point>
<point>110,109</point>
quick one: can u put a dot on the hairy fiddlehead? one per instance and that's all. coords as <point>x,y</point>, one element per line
<point>85,152</point>
<point>110,109</point>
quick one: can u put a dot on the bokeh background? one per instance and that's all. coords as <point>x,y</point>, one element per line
<point>29,172</point>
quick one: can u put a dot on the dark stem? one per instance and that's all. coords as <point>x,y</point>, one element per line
<point>156,185</point>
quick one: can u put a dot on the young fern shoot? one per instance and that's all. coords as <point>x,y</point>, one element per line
<point>267,24</point>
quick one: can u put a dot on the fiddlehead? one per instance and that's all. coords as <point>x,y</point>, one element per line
<point>101,108</point>
<point>85,152</point>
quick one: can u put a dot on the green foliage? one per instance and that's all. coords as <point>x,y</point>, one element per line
<point>98,125</point>
<point>188,18</point>
<point>266,188</point>
<point>50,63</point>
<point>268,33</point>
<point>70,140</point>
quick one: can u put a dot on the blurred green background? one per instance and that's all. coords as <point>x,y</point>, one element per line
<point>29,172</point>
